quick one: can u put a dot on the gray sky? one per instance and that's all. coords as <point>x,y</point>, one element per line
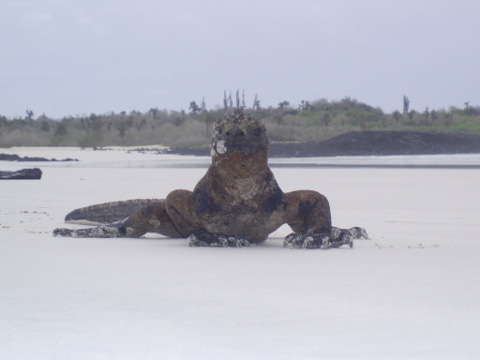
<point>72,57</point>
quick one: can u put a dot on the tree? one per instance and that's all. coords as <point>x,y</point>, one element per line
<point>30,114</point>
<point>178,117</point>
<point>326,118</point>
<point>153,112</point>
<point>94,122</point>
<point>426,113</point>
<point>141,124</point>
<point>283,105</point>
<point>60,130</point>
<point>301,106</point>
<point>121,128</point>
<point>3,122</point>
<point>45,126</point>
<point>449,119</point>
<point>208,118</point>
<point>411,114</point>
<point>305,106</point>
<point>194,107</point>
<point>256,103</point>
<point>406,104</point>
<point>43,117</point>
<point>237,100</point>
<point>225,102</point>
<point>396,115</point>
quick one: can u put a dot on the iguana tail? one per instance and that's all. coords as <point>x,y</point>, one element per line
<point>107,212</point>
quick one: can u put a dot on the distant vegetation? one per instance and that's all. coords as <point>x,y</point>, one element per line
<point>311,121</point>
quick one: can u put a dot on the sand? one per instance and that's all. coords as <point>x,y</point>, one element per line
<point>411,292</point>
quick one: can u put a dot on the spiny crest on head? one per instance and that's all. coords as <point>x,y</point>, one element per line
<point>235,118</point>
<point>241,123</point>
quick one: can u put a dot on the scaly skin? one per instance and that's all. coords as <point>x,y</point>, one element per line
<point>237,202</point>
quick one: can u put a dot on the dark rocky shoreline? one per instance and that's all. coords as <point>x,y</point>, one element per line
<point>369,143</point>
<point>14,157</point>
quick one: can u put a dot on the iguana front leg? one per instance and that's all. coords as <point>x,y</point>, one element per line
<point>308,214</point>
<point>182,208</point>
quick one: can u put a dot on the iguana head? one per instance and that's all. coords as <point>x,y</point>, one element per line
<point>238,133</point>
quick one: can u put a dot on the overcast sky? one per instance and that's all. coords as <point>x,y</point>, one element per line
<point>72,57</point>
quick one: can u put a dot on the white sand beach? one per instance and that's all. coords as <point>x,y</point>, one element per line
<point>411,292</point>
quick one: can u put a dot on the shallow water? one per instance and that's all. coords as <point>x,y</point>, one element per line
<point>127,157</point>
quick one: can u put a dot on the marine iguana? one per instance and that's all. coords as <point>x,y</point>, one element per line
<point>236,203</point>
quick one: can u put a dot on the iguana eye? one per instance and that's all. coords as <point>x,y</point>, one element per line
<point>255,132</point>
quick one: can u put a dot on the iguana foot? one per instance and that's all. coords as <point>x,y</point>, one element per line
<point>318,241</point>
<point>63,232</point>
<point>356,232</point>
<point>360,233</point>
<point>306,241</point>
<point>204,238</point>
